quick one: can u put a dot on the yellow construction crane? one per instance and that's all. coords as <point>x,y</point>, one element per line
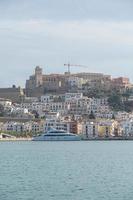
<point>72,65</point>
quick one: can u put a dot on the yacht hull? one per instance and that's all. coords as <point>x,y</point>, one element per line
<point>56,138</point>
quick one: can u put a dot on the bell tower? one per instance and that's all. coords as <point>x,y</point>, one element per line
<point>38,76</point>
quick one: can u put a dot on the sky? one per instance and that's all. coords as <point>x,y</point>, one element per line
<point>49,33</point>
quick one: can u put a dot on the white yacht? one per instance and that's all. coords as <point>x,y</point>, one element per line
<point>56,135</point>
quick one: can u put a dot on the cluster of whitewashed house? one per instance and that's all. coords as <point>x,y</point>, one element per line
<point>71,103</point>
<point>57,110</point>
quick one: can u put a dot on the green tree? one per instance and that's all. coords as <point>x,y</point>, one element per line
<point>1,110</point>
<point>115,102</point>
<point>113,116</point>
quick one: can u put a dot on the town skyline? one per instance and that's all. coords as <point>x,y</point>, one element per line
<point>66,99</point>
<point>47,72</point>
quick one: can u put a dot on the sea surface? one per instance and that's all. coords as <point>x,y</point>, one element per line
<point>82,170</point>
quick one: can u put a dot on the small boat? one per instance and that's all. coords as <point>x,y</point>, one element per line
<point>57,135</point>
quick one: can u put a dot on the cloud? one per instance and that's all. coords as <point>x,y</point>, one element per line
<point>86,30</point>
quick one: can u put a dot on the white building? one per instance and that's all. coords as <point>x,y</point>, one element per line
<point>106,114</point>
<point>13,126</point>
<point>123,116</point>
<point>37,127</point>
<point>5,102</point>
<point>73,96</point>
<point>88,129</point>
<point>127,127</point>
<point>59,125</point>
<point>47,98</point>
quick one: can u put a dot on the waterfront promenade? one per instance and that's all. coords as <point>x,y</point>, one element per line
<point>87,139</point>
<point>15,139</point>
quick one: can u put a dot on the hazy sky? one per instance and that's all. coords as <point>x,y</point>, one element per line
<point>49,33</point>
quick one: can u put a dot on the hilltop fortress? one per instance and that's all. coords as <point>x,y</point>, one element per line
<point>39,83</point>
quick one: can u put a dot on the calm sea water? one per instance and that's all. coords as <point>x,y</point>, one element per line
<point>84,170</point>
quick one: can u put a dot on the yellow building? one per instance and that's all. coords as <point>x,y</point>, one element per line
<point>107,128</point>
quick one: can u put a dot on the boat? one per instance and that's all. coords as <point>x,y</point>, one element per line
<point>57,135</point>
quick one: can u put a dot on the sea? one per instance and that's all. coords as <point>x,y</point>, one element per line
<point>80,170</point>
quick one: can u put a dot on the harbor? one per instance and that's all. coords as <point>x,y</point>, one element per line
<point>66,170</point>
<point>66,100</point>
